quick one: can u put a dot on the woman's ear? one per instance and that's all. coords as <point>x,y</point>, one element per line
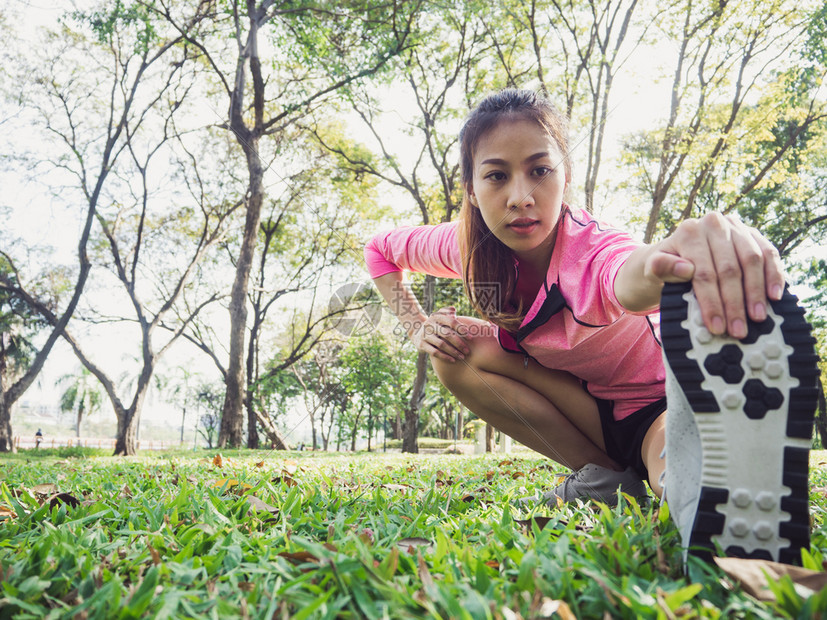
<point>471,196</point>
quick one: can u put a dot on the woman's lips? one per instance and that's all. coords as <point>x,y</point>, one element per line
<point>523,225</point>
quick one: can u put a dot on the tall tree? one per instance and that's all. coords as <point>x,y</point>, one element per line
<point>576,50</point>
<point>444,75</point>
<point>83,396</point>
<point>86,121</point>
<point>315,51</point>
<point>738,113</point>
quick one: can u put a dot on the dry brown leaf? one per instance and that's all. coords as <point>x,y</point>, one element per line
<point>260,464</point>
<point>290,467</point>
<point>493,564</point>
<point>286,480</point>
<point>411,544</point>
<point>424,574</point>
<point>229,484</point>
<point>44,489</point>
<point>7,513</point>
<point>125,492</point>
<point>540,521</point>
<point>258,504</point>
<point>548,607</point>
<point>299,557</point>
<point>153,552</point>
<point>63,498</point>
<point>753,574</point>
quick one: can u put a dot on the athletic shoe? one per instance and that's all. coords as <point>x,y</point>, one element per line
<point>738,430</point>
<point>592,482</point>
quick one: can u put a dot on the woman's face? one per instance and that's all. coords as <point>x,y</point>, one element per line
<point>518,184</point>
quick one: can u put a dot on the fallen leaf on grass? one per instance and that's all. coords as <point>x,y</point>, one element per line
<point>290,467</point>
<point>549,607</point>
<point>7,513</point>
<point>217,461</point>
<point>258,504</point>
<point>44,489</point>
<point>260,464</point>
<point>286,480</point>
<point>303,557</point>
<point>411,544</point>
<point>63,498</point>
<point>753,576</point>
<point>540,521</point>
<point>228,484</point>
<point>153,552</point>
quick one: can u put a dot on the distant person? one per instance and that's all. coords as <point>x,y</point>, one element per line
<point>582,348</point>
<point>38,439</point>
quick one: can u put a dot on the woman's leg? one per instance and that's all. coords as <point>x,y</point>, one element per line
<point>652,453</point>
<point>546,410</point>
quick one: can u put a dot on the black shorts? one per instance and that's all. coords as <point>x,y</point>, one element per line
<point>624,438</point>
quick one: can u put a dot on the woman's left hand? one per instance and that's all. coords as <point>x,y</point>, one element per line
<point>734,270</point>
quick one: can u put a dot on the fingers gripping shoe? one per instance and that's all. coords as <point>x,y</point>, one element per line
<point>738,430</point>
<point>594,482</point>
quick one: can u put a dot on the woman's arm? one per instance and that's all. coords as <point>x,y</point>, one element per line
<point>734,271</point>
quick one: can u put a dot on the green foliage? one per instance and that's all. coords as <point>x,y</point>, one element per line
<point>343,537</point>
<point>120,17</point>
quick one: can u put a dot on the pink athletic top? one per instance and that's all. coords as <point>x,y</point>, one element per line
<point>576,323</point>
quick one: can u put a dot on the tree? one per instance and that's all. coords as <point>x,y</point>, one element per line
<point>83,396</point>
<point>209,396</point>
<point>18,326</point>
<point>368,379</point>
<point>443,74</point>
<point>60,96</point>
<point>575,49</point>
<point>318,51</point>
<point>717,149</point>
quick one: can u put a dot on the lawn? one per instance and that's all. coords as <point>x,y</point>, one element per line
<point>303,535</point>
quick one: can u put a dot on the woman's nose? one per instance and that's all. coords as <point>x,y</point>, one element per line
<point>522,193</point>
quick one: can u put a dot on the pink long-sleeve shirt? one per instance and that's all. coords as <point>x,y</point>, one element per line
<point>575,323</point>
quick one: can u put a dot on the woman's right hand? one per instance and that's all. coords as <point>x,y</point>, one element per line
<point>442,335</point>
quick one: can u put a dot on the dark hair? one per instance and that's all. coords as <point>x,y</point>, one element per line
<point>488,264</point>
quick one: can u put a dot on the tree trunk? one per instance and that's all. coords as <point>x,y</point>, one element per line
<point>276,439</point>
<point>80,419</point>
<point>6,437</point>
<point>489,438</point>
<point>232,418</point>
<point>252,426</point>
<point>127,441</point>
<point>410,427</point>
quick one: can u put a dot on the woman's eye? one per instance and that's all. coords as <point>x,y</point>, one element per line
<point>495,176</point>
<point>542,171</point>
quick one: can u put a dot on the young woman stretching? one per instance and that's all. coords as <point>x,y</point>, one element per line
<point>567,357</point>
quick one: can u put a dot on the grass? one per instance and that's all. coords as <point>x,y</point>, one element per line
<point>274,535</point>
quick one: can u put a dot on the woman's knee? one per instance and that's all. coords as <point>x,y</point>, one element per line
<point>480,338</point>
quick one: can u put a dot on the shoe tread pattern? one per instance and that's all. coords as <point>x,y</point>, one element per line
<point>721,519</point>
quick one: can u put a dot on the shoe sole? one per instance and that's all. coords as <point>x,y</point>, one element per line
<point>754,402</point>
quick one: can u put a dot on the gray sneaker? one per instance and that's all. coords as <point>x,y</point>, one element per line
<point>738,430</point>
<point>592,482</point>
